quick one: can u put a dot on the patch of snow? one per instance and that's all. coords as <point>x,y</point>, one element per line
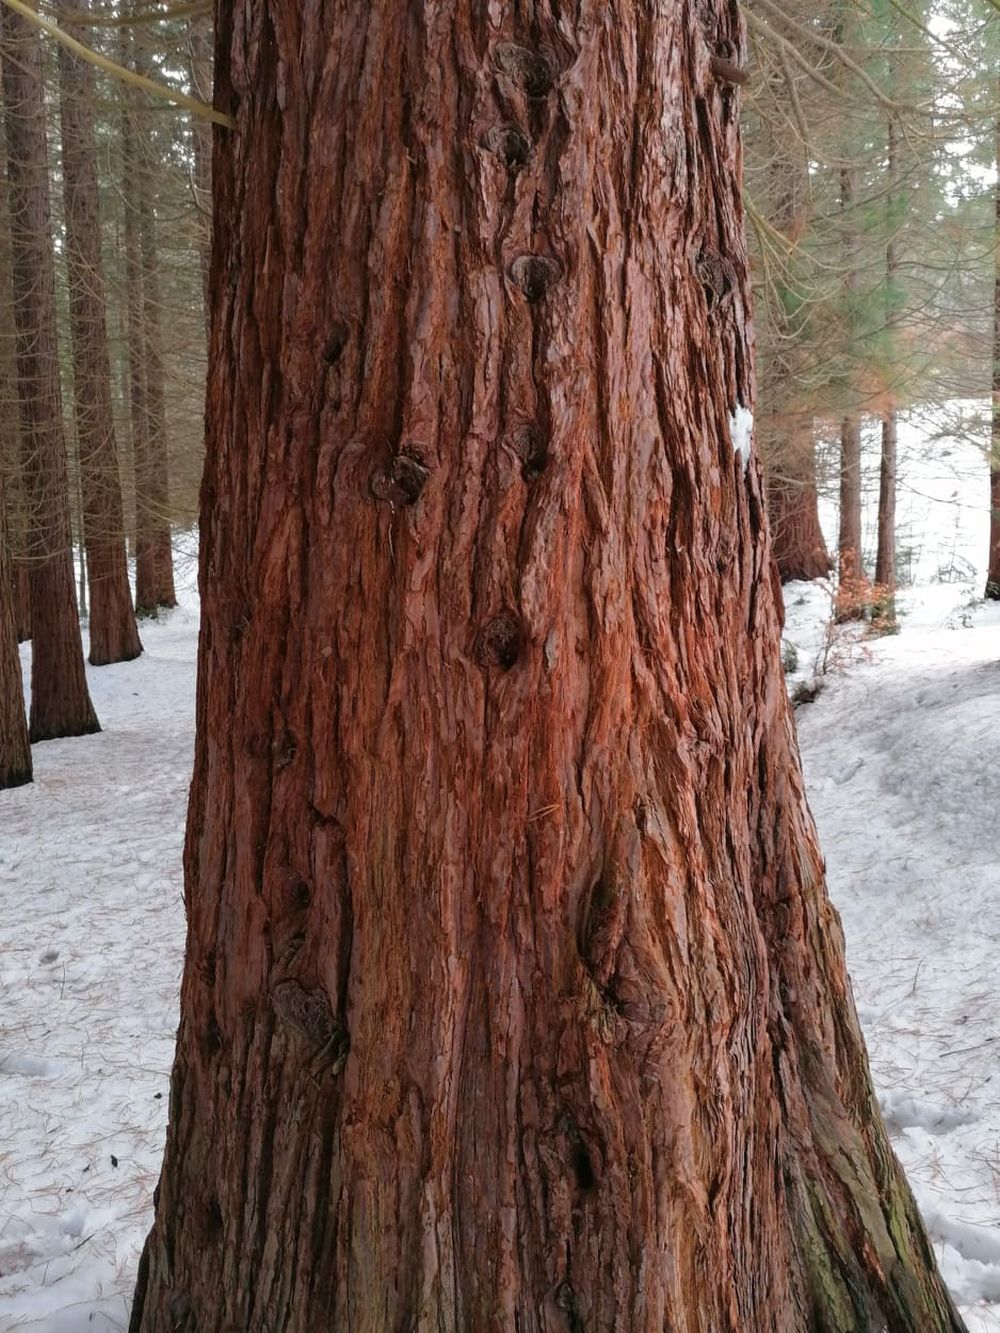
<point>741,432</point>
<point>902,760</point>
<point>91,944</point>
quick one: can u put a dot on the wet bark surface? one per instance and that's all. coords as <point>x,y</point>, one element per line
<point>60,703</point>
<point>113,633</point>
<point>513,997</point>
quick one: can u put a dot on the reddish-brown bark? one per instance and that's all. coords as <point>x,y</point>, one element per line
<point>15,751</point>
<point>154,576</point>
<point>60,703</point>
<point>513,998</point>
<point>113,633</point>
<point>793,509</point>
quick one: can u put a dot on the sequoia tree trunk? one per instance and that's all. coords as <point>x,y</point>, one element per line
<point>15,751</point>
<point>113,633</point>
<point>60,703</point>
<point>513,997</point>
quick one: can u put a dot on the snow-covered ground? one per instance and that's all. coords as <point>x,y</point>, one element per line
<point>902,754</point>
<point>91,945</point>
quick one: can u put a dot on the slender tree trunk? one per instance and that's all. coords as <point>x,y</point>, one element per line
<point>513,997</point>
<point>200,50</point>
<point>853,591</point>
<point>793,504</point>
<point>154,581</point>
<point>154,553</point>
<point>993,571</point>
<point>134,340</point>
<point>60,703</point>
<point>885,565</point>
<point>15,752</point>
<point>81,552</point>
<point>113,633</point>
<point>885,557</point>
<point>11,452</point>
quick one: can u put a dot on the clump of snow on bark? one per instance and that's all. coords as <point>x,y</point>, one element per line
<point>741,432</point>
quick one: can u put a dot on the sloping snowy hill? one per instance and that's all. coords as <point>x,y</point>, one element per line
<point>902,758</point>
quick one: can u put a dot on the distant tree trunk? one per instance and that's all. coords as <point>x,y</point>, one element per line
<point>793,504</point>
<point>22,603</point>
<point>15,751</point>
<point>513,997</point>
<point>134,341</point>
<point>81,553</point>
<point>11,453</point>
<point>60,703</point>
<point>852,585</point>
<point>154,580</point>
<point>793,508</point>
<point>885,557</point>
<point>885,564</point>
<point>993,571</point>
<point>113,633</point>
<point>200,49</point>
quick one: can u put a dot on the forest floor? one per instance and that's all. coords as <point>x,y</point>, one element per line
<point>902,755</point>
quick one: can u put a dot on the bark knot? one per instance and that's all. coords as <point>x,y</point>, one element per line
<point>717,275</point>
<point>725,64</point>
<point>509,144</point>
<point>535,275</point>
<point>336,342</point>
<point>310,1015</point>
<point>401,482</point>
<point>531,71</point>
<point>499,642</point>
<point>529,445</point>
